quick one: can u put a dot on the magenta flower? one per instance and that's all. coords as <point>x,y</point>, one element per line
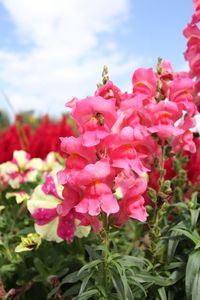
<point>97,196</point>
<point>94,117</point>
<point>181,90</point>
<point>120,148</point>
<point>144,82</point>
<point>164,115</point>
<point>132,204</point>
<point>54,220</point>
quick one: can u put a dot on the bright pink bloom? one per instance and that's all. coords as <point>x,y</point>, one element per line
<point>181,90</point>
<point>144,82</point>
<point>132,204</point>
<point>97,196</point>
<point>192,54</point>
<point>94,117</point>
<point>193,166</point>
<point>184,142</point>
<point>163,116</point>
<point>109,91</point>
<point>167,70</point>
<point>120,148</point>
<point>78,156</point>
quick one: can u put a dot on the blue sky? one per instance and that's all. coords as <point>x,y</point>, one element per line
<point>51,51</point>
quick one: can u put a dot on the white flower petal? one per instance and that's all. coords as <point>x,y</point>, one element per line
<point>21,157</point>
<point>41,200</point>
<point>49,231</point>
<point>36,163</point>
<point>8,167</point>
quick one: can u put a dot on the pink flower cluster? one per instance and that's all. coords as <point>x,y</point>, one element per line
<point>120,138</point>
<point>192,54</point>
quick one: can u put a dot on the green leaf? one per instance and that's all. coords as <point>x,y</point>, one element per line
<point>192,236</point>
<point>162,293</point>
<point>53,292</point>
<point>172,245</point>
<point>196,288</point>
<point>73,290</point>
<point>118,285</point>
<point>192,279</point>
<point>62,272</point>
<point>121,272</point>
<point>89,265</point>
<point>129,294</point>
<point>7,268</point>
<point>170,295</point>
<point>132,261</point>
<point>85,282</point>
<point>72,277</point>
<point>159,280</point>
<point>41,268</point>
<point>135,283</point>
<point>194,216</point>
<point>175,265</point>
<point>87,295</point>
<point>92,253</point>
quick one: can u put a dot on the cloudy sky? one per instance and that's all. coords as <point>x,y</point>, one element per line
<point>53,50</point>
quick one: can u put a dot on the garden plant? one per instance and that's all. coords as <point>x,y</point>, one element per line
<point>114,212</point>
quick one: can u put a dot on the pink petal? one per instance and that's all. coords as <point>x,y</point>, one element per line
<point>43,216</point>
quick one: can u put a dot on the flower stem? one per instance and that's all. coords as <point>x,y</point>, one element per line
<point>105,255</point>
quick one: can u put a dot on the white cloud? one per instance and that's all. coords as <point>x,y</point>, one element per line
<point>68,42</point>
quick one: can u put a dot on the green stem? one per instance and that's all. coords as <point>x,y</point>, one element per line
<point>105,255</point>
<point>155,229</point>
<point>162,168</point>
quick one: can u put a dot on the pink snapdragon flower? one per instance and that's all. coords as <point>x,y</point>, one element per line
<point>52,221</point>
<point>192,53</point>
<point>78,156</point>
<point>94,117</point>
<point>120,148</point>
<point>167,72</point>
<point>132,204</point>
<point>109,91</point>
<point>116,156</point>
<point>145,82</point>
<point>164,116</point>
<point>184,142</point>
<point>97,195</point>
<point>181,92</point>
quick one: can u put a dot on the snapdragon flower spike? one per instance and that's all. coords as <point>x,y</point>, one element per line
<point>192,53</point>
<point>94,117</point>
<point>120,137</point>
